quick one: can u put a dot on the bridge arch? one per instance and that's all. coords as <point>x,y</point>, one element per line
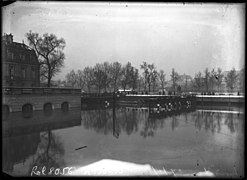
<point>27,110</point>
<point>47,108</point>
<point>65,106</point>
<point>6,109</point>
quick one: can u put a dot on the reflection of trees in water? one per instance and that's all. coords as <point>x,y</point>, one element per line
<point>212,121</point>
<point>150,126</point>
<point>186,117</point>
<point>49,153</point>
<point>100,120</point>
<point>208,119</point>
<point>128,121</point>
<point>198,120</point>
<point>174,122</point>
<point>218,117</point>
<point>17,149</point>
<point>158,121</point>
<point>229,121</point>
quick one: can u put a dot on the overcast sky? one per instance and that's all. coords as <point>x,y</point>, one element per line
<point>186,37</point>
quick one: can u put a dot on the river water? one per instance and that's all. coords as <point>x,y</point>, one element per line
<point>191,141</point>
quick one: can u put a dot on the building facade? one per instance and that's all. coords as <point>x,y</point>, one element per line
<point>20,66</point>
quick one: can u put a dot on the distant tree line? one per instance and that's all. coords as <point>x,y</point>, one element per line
<point>213,80</point>
<point>108,77</point>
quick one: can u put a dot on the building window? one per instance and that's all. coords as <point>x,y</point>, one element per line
<point>23,72</point>
<point>11,55</point>
<point>11,72</point>
<point>33,73</point>
<point>8,54</point>
<point>22,57</point>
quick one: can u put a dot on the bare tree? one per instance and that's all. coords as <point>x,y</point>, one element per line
<point>219,78</point>
<point>242,80</point>
<point>206,78</point>
<point>231,79</point>
<point>212,79</point>
<point>146,76</point>
<point>140,83</point>
<point>88,77</point>
<point>99,77</point>
<point>154,79</point>
<point>116,73</point>
<point>134,78</point>
<point>49,50</point>
<point>106,78</point>
<point>71,79</point>
<point>174,77</point>
<point>187,82</point>
<point>80,79</point>
<point>150,74</point>
<point>198,81</point>
<point>126,78</point>
<point>162,78</point>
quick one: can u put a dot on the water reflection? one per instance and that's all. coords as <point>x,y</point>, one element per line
<point>142,136</point>
<point>129,120</point>
<point>15,124</point>
<point>49,153</point>
<point>17,149</point>
<point>212,121</point>
<point>30,141</point>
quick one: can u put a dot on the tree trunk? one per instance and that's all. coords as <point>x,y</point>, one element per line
<point>162,85</point>
<point>49,73</point>
<point>49,82</point>
<point>48,145</point>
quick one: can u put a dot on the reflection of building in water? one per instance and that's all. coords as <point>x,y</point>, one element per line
<point>45,149</point>
<point>22,138</point>
<point>16,123</point>
<point>20,64</point>
<point>17,149</point>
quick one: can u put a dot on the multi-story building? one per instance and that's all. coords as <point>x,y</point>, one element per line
<point>20,66</point>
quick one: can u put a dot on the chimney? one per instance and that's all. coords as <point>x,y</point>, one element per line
<point>8,38</point>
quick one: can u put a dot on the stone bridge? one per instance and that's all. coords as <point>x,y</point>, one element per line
<point>17,99</point>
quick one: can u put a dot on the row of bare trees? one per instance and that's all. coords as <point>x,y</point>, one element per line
<point>104,77</point>
<point>107,77</point>
<point>214,79</point>
<point>111,76</point>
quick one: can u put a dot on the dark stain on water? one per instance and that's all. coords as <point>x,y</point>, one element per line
<point>80,147</point>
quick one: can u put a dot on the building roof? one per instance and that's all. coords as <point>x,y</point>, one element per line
<point>7,40</point>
